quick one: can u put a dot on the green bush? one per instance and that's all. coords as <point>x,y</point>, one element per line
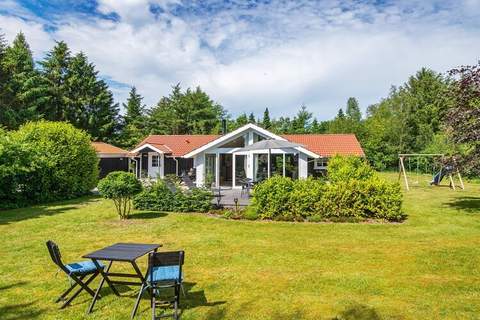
<point>271,197</point>
<point>120,187</point>
<point>159,197</point>
<point>342,168</point>
<point>355,193</point>
<point>45,161</point>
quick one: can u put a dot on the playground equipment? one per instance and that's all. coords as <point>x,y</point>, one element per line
<point>433,163</point>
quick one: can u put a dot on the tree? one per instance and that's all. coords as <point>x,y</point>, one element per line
<point>91,105</point>
<point>189,112</point>
<point>55,69</point>
<point>62,163</point>
<point>23,91</point>
<point>266,123</point>
<point>463,118</point>
<point>353,110</point>
<point>120,187</point>
<point>134,121</point>
<point>251,118</point>
<point>301,122</point>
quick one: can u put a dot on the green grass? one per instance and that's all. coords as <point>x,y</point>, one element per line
<point>425,268</point>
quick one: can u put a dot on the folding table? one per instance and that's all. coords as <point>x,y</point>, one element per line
<point>119,252</point>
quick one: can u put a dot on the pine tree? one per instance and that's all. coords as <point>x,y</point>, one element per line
<point>134,121</point>
<point>189,112</point>
<point>91,105</point>
<point>353,110</point>
<point>266,123</point>
<point>241,120</point>
<point>55,71</point>
<point>301,122</point>
<point>23,90</point>
<point>251,118</point>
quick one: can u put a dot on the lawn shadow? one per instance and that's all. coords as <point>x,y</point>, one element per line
<point>47,209</point>
<point>468,204</point>
<point>358,312</point>
<point>148,215</point>
<point>20,311</point>
<point>191,299</point>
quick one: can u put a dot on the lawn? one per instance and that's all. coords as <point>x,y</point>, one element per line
<point>425,268</point>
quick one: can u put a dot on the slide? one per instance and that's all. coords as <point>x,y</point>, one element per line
<point>439,176</point>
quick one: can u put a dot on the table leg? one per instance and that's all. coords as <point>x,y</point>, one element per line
<point>107,279</point>
<point>97,293</point>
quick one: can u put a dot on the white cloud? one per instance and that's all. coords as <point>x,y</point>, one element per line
<point>277,55</point>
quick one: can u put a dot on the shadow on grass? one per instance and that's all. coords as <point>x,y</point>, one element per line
<point>48,209</point>
<point>192,299</point>
<point>468,204</point>
<point>13,285</point>
<point>148,215</point>
<point>358,312</point>
<point>20,311</point>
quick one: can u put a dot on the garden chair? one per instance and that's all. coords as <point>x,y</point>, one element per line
<point>76,272</point>
<point>187,181</point>
<point>164,272</point>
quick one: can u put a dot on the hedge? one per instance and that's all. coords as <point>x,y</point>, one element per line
<point>158,197</point>
<point>45,161</point>
<point>353,191</point>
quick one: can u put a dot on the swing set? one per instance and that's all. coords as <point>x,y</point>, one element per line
<point>425,164</point>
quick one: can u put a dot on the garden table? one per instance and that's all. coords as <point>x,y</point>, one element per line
<point>119,252</point>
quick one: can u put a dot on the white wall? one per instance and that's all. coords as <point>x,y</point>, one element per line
<point>199,164</point>
<point>302,166</point>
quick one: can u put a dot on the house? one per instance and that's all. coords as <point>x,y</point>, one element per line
<point>111,158</point>
<point>220,159</point>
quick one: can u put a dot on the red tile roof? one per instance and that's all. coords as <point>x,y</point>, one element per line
<point>328,144</point>
<point>178,145</point>
<point>105,148</point>
<point>321,144</point>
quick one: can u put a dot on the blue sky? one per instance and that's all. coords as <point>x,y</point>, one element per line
<point>249,55</point>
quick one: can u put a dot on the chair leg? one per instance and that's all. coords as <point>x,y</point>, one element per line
<point>183,289</point>
<point>83,286</point>
<point>62,297</point>
<point>153,305</point>
<point>137,303</point>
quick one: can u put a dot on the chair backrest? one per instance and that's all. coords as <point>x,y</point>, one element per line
<point>164,259</point>
<point>188,182</point>
<point>54,253</point>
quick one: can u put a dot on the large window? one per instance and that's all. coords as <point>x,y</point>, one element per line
<point>260,167</point>
<point>291,165</point>
<point>240,168</point>
<point>210,168</point>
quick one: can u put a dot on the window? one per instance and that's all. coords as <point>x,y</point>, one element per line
<point>321,163</point>
<point>155,161</point>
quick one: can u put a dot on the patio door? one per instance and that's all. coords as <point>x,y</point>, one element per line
<point>210,168</point>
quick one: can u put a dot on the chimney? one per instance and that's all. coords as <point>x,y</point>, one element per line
<point>224,126</point>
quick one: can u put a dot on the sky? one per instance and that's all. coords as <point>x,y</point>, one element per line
<point>249,55</point>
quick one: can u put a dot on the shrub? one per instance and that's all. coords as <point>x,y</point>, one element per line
<point>342,168</point>
<point>159,197</point>
<point>46,161</point>
<point>271,197</point>
<point>120,187</point>
<point>354,192</point>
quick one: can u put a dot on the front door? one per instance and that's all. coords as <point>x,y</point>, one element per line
<point>155,169</point>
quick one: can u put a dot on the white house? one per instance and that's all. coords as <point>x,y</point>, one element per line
<point>220,160</point>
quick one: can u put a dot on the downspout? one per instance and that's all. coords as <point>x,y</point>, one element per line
<point>136,166</point>
<point>176,165</point>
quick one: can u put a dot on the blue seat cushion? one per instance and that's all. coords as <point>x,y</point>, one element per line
<point>82,267</point>
<point>165,273</point>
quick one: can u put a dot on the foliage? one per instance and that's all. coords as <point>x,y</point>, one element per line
<point>353,191</point>
<point>120,187</point>
<point>464,116</point>
<point>188,112</point>
<point>341,168</point>
<point>159,197</point>
<point>134,121</point>
<point>46,161</point>
<point>271,197</point>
